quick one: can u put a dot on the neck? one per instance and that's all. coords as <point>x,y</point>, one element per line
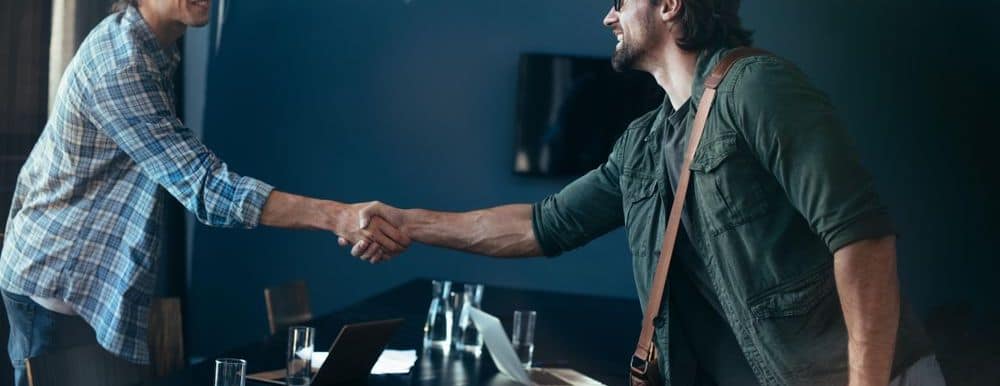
<point>167,31</point>
<point>674,72</point>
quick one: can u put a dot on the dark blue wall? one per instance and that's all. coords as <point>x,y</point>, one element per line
<point>412,103</point>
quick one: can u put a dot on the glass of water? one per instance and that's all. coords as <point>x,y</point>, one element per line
<point>523,336</point>
<point>300,349</point>
<point>230,372</point>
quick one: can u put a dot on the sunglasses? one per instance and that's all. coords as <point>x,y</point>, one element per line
<point>618,5</point>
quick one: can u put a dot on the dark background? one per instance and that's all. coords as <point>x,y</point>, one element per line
<point>412,103</point>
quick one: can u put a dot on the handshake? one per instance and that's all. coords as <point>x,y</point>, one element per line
<point>380,234</point>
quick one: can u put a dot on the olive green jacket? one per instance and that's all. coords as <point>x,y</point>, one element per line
<point>776,188</point>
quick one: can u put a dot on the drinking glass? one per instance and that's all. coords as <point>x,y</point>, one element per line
<point>300,349</point>
<point>230,372</point>
<point>523,336</point>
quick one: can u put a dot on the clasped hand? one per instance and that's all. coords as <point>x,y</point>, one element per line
<point>379,235</point>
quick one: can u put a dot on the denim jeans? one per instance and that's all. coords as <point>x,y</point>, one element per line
<point>35,330</point>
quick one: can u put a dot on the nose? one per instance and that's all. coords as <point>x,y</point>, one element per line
<point>611,18</point>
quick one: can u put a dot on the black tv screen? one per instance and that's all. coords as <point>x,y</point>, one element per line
<point>570,111</point>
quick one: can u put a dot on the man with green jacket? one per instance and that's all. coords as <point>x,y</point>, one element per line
<point>785,272</point>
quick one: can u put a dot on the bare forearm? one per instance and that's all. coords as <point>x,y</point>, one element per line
<point>869,294</point>
<point>285,210</point>
<point>503,231</point>
<point>380,240</point>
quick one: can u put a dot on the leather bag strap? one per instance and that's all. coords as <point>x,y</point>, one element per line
<point>644,349</point>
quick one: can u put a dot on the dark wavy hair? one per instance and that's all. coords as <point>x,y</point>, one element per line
<point>707,23</point>
<point>121,5</point>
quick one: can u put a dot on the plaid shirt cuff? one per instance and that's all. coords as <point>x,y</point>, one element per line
<point>254,194</point>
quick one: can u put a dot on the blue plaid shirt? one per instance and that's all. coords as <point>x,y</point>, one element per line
<point>84,222</point>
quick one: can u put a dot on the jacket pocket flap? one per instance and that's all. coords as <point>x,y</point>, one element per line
<point>640,189</point>
<point>710,154</point>
<point>796,298</point>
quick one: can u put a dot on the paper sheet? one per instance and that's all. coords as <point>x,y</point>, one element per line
<point>499,345</point>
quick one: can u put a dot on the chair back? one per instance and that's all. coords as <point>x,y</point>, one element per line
<point>287,305</point>
<point>88,365</point>
<point>166,336</point>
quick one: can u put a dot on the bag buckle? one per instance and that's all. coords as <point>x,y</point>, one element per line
<point>639,365</point>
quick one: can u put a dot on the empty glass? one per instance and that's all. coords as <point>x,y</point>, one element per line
<point>523,336</point>
<point>437,329</point>
<point>300,349</point>
<point>466,336</point>
<point>230,372</point>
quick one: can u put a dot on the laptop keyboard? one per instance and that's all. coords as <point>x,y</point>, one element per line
<point>540,377</point>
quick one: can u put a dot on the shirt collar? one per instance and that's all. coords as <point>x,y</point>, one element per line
<point>704,65</point>
<point>166,59</point>
<point>676,117</point>
<point>707,59</point>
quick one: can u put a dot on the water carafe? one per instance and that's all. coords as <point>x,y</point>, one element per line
<point>438,329</point>
<point>467,338</point>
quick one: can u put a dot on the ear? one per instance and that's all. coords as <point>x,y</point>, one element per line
<point>669,10</point>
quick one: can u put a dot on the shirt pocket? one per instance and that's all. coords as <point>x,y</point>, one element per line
<point>727,180</point>
<point>640,208</point>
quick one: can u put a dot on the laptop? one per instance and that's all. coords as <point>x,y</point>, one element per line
<point>351,357</point>
<point>510,365</point>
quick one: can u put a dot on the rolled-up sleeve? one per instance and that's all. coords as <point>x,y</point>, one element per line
<point>133,108</point>
<point>795,133</point>
<point>587,208</point>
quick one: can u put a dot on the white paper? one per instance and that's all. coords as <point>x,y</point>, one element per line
<point>499,345</point>
<point>390,362</point>
<point>395,362</point>
<point>305,353</point>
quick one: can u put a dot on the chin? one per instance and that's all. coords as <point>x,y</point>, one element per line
<point>197,21</point>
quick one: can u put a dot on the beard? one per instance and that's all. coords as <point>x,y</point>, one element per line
<point>625,57</point>
<point>636,45</point>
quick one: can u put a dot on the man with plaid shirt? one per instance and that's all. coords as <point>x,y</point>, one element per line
<point>82,237</point>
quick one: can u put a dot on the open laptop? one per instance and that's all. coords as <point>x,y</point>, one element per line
<point>510,365</point>
<point>351,357</point>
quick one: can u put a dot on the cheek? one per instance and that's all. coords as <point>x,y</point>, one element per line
<point>635,31</point>
<point>196,14</point>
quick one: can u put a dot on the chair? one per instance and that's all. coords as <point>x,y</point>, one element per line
<point>88,365</point>
<point>287,305</point>
<point>166,336</point>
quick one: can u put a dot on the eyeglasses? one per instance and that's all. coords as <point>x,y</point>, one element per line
<point>618,5</point>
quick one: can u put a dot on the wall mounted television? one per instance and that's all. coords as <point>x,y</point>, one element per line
<point>571,109</point>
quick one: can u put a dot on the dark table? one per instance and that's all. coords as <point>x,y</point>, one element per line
<point>593,335</point>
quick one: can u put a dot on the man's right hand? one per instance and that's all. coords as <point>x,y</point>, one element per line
<point>504,231</point>
<point>385,223</point>
<point>353,223</point>
<point>374,230</point>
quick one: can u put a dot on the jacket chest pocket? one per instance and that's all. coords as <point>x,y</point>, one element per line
<point>641,208</point>
<point>728,182</point>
